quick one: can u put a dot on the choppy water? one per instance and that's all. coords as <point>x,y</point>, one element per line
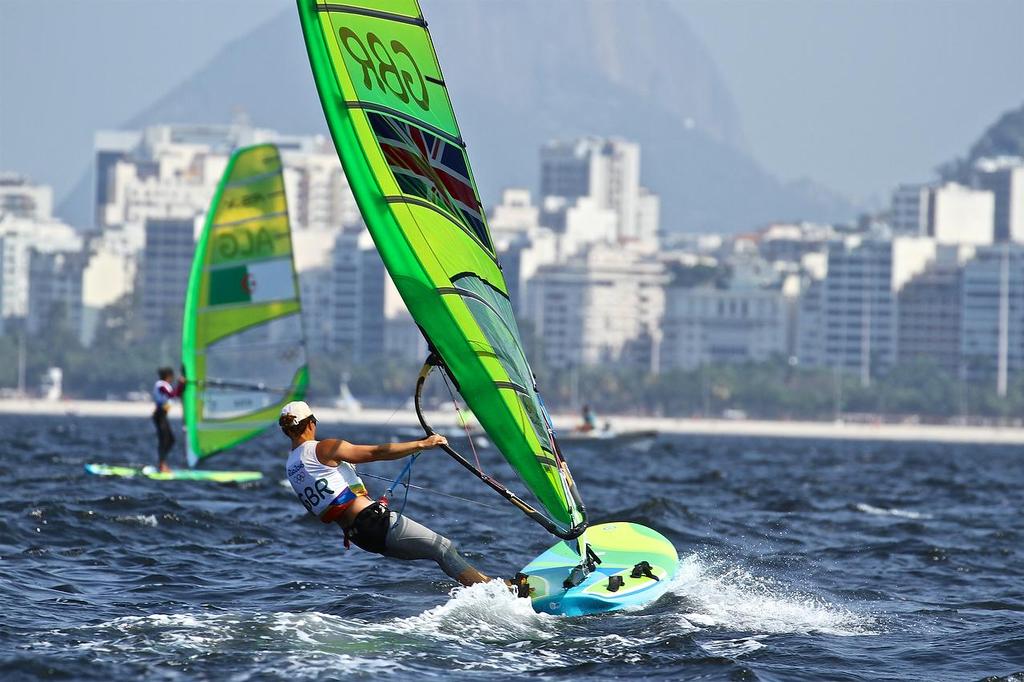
<point>799,560</point>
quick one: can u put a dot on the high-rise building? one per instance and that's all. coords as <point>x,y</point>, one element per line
<point>172,172</point>
<point>855,308</point>
<point>992,309</point>
<point>607,171</point>
<point>705,325</point>
<point>19,198</point>
<point>908,214</point>
<point>513,217</point>
<point>929,310</point>
<point>108,277</point>
<point>55,291</point>
<point>1004,177</point>
<point>19,237</point>
<point>603,305</point>
<point>319,197</point>
<point>163,276</point>
<point>961,215</point>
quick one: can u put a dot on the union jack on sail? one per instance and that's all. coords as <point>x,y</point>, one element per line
<point>431,168</point>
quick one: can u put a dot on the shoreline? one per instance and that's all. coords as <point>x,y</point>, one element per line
<point>741,428</point>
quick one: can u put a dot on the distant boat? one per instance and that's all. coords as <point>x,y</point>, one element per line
<point>630,437</point>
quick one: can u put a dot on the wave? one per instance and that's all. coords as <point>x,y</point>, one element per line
<point>892,511</point>
<point>719,595</point>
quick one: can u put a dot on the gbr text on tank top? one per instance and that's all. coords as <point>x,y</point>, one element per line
<point>324,491</point>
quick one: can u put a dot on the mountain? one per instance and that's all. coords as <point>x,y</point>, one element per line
<point>1005,137</point>
<point>523,73</point>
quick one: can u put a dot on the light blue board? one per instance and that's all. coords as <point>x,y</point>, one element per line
<point>620,546</point>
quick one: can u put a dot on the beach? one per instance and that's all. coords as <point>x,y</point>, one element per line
<point>746,428</point>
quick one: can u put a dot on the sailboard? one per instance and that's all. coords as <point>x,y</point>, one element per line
<point>388,109</point>
<point>152,473</point>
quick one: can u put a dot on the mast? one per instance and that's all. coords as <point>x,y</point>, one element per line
<point>577,531</point>
<point>1004,322</point>
<point>21,363</point>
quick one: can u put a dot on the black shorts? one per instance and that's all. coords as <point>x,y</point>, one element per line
<point>369,530</point>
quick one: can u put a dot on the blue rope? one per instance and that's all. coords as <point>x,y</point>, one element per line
<point>406,473</point>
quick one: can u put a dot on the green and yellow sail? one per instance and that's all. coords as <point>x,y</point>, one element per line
<point>394,128</point>
<point>243,348</point>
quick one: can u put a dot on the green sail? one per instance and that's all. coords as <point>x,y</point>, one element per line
<point>242,348</point>
<point>393,126</point>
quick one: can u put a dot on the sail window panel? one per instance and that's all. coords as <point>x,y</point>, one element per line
<point>252,369</point>
<point>493,312</point>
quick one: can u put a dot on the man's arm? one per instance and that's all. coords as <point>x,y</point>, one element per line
<point>333,452</point>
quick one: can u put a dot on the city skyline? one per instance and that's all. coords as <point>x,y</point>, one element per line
<point>588,267</point>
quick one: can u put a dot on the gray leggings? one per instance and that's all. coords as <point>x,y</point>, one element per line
<point>408,540</point>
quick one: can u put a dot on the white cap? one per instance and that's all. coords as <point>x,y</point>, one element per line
<point>297,409</point>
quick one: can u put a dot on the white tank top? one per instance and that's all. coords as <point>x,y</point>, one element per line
<point>323,490</point>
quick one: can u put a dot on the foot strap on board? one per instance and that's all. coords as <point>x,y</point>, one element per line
<point>582,569</point>
<point>615,582</point>
<point>643,570</point>
<point>521,585</point>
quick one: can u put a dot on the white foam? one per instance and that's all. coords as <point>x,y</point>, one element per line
<point>465,629</point>
<point>723,596</point>
<point>733,648</point>
<point>484,612</point>
<point>142,520</point>
<point>892,511</point>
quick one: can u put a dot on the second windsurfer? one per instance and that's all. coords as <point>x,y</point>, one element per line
<point>323,476</point>
<point>163,396</point>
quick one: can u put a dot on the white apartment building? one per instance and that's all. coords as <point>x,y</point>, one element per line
<point>606,170</point>
<point>1004,177</point>
<point>109,276</point>
<point>19,238</point>
<point>704,325</point>
<point>648,217</point>
<point>19,198</point>
<point>961,215</point>
<point>318,193</point>
<point>514,217</point>
<point>604,305</point>
<point>173,171</point>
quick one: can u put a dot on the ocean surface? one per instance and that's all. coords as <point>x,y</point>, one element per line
<point>799,560</point>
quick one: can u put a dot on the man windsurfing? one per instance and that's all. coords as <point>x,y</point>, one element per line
<point>163,395</point>
<point>324,479</point>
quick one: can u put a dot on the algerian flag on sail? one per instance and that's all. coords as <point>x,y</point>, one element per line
<point>243,347</point>
<point>270,280</point>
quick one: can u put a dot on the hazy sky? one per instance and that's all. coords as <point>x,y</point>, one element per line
<point>855,94</point>
<point>862,94</point>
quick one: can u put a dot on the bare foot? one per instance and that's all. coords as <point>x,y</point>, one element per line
<point>164,469</point>
<point>471,576</point>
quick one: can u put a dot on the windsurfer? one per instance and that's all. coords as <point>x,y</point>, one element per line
<point>163,395</point>
<point>325,480</point>
<point>589,420</point>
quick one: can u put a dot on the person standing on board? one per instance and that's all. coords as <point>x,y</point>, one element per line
<point>589,420</point>
<point>163,395</point>
<point>323,476</point>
